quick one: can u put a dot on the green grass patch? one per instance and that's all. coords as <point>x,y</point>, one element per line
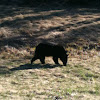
<point>89,89</point>
<point>97,89</point>
<point>80,71</point>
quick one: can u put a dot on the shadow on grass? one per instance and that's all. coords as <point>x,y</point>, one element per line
<point>19,19</point>
<point>4,70</point>
<point>34,66</point>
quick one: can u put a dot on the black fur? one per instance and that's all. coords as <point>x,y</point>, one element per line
<point>50,49</point>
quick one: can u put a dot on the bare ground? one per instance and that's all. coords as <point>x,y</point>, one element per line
<point>78,29</point>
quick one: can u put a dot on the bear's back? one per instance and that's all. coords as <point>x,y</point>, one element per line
<point>50,49</point>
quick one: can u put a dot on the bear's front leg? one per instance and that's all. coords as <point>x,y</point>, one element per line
<point>33,59</point>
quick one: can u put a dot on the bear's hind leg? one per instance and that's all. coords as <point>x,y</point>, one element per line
<point>55,59</point>
<point>42,59</point>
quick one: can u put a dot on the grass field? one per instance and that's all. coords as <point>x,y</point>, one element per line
<point>79,80</point>
<point>22,28</point>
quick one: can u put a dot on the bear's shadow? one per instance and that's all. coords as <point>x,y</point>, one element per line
<point>34,66</point>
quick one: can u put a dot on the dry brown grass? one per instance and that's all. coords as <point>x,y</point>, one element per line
<point>21,28</point>
<point>24,26</point>
<point>79,80</point>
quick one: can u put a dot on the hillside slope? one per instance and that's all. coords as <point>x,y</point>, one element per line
<point>25,26</point>
<point>22,28</point>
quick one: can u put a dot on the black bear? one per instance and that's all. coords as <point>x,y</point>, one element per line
<point>50,49</point>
